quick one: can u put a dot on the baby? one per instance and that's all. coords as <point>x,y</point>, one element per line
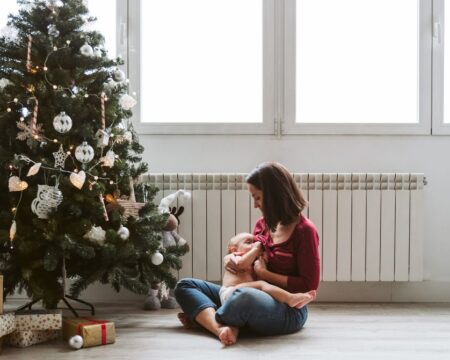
<point>245,251</point>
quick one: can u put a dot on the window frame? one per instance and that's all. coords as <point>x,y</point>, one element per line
<point>279,81</point>
<point>267,125</point>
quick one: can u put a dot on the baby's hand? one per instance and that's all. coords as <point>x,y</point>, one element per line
<point>257,244</point>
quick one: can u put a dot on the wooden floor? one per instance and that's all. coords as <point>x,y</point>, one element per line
<point>333,331</point>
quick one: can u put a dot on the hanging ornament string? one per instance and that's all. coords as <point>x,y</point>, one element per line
<point>102,104</point>
<point>30,42</point>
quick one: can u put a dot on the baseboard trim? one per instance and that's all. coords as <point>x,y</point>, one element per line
<point>391,292</point>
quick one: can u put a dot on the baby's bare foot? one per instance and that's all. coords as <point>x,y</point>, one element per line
<point>185,321</point>
<point>301,299</point>
<point>228,335</point>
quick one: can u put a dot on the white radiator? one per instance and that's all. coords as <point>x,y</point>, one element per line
<point>371,226</point>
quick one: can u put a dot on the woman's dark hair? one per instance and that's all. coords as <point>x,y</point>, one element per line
<point>283,201</point>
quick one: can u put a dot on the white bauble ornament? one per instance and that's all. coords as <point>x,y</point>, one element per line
<point>52,30</point>
<point>15,184</point>
<point>127,102</point>
<point>84,153</point>
<point>4,83</point>
<point>108,159</point>
<point>96,235</point>
<point>78,179</point>
<point>34,169</point>
<point>86,50</point>
<point>157,258</point>
<point>118,75</point>
<point>10,33</point>
<point>48,198</point>
<point>62,122</point>
<point>123,232</point>
<point>76,342</point>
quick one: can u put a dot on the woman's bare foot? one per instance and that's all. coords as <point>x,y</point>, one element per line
<point>301,299</point>
<point>228,335</point>
<point>185,321</point>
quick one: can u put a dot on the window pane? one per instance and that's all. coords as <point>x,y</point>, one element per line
<point>357,61</point>
<point>105,12</point>
<point>201,61</point>
<point>447,65</point>
<point>7,7</point>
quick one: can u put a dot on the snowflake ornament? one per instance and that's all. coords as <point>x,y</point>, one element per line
<point>27,133</point>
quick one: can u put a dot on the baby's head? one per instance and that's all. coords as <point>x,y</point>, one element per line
<point>242,242</point>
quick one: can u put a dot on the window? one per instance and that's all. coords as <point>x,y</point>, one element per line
<point>203,66</point>
<point>357,67</point>
<point>293,66</point>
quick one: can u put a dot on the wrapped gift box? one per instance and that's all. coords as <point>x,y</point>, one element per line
<point>39,320</point>
<point>93,331</point>
<point>7,324</point>
<point>31,337</point>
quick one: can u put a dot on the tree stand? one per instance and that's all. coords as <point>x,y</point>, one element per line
<point>64,297</point>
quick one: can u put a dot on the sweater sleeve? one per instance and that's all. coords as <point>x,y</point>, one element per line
<point>258,230</point>
<point>308,263</point>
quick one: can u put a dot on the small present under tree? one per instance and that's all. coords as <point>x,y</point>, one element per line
<point>67,153</point>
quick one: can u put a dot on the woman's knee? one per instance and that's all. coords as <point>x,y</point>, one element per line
<point>183,284</point>
<point>244,297</point>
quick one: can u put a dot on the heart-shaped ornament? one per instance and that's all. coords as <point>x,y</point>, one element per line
<point>78,179</point>
<point>15,184</point>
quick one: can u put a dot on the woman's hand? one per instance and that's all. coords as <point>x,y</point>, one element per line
<point>260,267</point>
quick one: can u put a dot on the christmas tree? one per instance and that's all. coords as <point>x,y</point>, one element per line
<point>68,154</point>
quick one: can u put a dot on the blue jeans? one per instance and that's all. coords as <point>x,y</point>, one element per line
<point>245,307</point>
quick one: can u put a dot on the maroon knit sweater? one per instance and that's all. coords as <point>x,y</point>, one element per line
<point>298,257</point>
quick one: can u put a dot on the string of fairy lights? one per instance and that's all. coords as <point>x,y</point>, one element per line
<point>62,123</point>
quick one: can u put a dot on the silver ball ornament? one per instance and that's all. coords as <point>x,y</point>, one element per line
<point>84,153</point>
<point>86,50</point>
<point>62,122</point>
<point>119,75</point>
<point>76,342</point>
<point>123,232</point>
<point>157,258</point>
